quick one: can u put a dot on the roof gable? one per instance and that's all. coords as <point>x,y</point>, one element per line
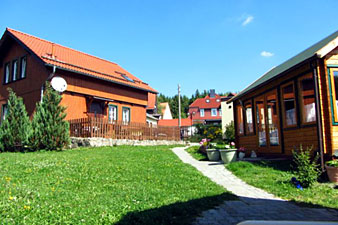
<point>320,49</point>
<point>207,102</point>
<point>72,60</point>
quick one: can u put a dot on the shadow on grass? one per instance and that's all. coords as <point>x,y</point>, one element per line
<point>234,211</point>
<point>177,213</point>
<point>282,165</point>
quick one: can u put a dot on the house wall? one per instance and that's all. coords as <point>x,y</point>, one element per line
<point>28,88</point>
<point>80,89</point>
<point>331,129</point>
<point>290,138</point>
<point>227,114</point>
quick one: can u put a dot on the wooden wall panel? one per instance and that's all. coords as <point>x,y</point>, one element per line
<point>306,136</point>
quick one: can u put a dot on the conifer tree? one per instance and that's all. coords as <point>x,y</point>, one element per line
<point>50,130</point>
<point>16,129</point>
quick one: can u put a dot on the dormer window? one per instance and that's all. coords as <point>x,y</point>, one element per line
<point>127,78</point>
<point>217,100</point>
<point>207,100</point>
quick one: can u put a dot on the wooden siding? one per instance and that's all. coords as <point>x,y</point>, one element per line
<point>28,88</point>
<point>306,136</point>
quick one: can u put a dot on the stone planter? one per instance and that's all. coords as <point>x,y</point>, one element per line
<point>241,155</point>
<point>228,155</point>
<point>332,173</point>
<point>213,154</point>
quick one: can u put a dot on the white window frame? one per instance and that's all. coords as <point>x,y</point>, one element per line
<point>15,70</point>
<point>112,113</point>
<point>4,111</point>
<point>126,114</point>
<point>202,112</point>
<point>23,66</point>
<point>213,112</point>
<point>7,73</point>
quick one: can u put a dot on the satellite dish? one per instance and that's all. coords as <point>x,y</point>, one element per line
<point>59,84</point>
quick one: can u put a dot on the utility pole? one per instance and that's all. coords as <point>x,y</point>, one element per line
<point>179,106</point>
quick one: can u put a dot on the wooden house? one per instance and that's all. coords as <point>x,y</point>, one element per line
<point>294,103</point>
<point>96,87</point>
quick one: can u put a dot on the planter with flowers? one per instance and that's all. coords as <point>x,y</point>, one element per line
<point>206,147</point>
<point>228,155</point>
<point>332,170</point>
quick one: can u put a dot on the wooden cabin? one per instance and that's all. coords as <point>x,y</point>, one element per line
<point>294,103</point>
<point>96,87</point>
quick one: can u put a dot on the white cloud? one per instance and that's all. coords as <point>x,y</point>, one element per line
<point>266,54</point>
<point>247,20</point>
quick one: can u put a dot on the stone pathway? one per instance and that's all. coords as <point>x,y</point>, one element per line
<point>253,203</point>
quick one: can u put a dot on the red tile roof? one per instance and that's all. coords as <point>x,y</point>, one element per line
<point>203,104</point>
<point>76,61</point>
<point>186,122</point>
<point>151,100</point>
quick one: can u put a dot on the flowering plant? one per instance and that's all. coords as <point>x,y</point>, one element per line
<point>232,144</point>
<point>205,144</point>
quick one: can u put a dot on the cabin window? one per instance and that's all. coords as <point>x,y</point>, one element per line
<point>334,93</point>
<point>112,113</point>
<point>248,117</point>
<point>240,125</point>
<point>126,114</point>
<point>15,70</point>
<point>307,97</point>
<point>289,105</point>
<point>202,112</point>
<point>272,116</point>
<point>23,65</point>
<point>4,112</point>
<point>213,112</point>
<point>97,108</point>
<point>6,73</point>
<point>260,113</point>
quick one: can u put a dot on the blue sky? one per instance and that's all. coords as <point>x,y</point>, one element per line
<point>200,44</point>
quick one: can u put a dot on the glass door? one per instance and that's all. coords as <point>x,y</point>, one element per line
<point>268,128</point>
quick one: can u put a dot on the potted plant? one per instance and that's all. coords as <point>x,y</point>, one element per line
<point>229,154</point>
<point>212,153</point>
<point>332,170</point>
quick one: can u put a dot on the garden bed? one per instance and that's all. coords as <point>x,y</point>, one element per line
<point>275,176</point>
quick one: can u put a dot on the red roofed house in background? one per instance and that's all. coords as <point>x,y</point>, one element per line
<point>96,87</point>
<point>207,110</point>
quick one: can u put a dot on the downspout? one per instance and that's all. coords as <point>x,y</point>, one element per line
<point>43,85</point>
<point>319,116</point>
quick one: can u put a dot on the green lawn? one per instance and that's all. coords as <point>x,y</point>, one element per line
<point>274,177</point>
<point>120,185</point>
<point>194,152</point>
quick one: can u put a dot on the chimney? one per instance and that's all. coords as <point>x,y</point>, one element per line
<point>212,93</point>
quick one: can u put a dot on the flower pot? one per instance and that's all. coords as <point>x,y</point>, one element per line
<point>241,155</point>
<point>213,154</point>
<point>228,155</point>
<point>332,173</point>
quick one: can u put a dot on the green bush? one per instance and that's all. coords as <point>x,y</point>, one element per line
<point>16,129</point>
<point>230,132</point>
<point>333,163</point>
<point>211,132</point>
<point>306,171</point>
<point>50,130</point>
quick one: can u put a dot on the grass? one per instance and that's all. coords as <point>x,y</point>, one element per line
<point>274,177</point>
<point>120,185</point>
<point>194,152</point>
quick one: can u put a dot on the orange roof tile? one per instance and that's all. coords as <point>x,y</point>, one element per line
<point>76,61</point>
<point>186,122</point>
<point>203,104</point>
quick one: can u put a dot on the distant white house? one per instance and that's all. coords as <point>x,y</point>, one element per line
<point>227,111</point>
<point>166,112</point>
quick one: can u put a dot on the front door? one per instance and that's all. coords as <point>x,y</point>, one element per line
<point>267,123</point>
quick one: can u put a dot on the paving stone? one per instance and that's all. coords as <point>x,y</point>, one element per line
<point>253,203</point>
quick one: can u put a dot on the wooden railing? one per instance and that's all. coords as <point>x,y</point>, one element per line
<point>100,127</point>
